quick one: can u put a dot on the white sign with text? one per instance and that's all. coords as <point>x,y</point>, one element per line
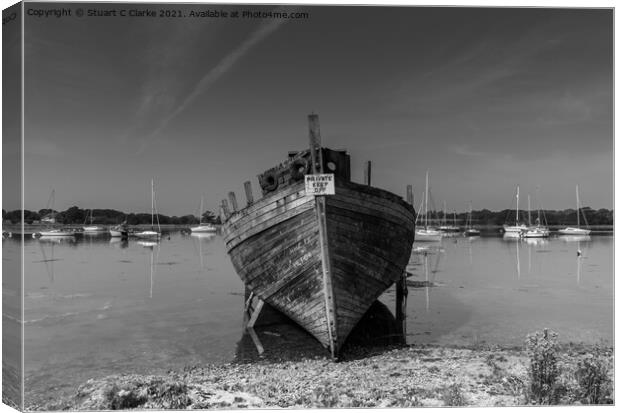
<point>320,184</point>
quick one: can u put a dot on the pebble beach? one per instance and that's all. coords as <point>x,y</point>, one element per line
<point>407,376</point>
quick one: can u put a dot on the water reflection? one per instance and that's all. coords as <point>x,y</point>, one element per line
<point>202,239</point>
<point>119,242</point>
<point>574,238</point>
<point>153,259</point>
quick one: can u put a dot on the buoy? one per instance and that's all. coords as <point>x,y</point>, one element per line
<point>578,253</point>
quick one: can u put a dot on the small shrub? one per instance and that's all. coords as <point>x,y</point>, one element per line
<point>121,399</point>
<point>453,396</point>
<point>592,377</point>
<point>542,349</point>
<point>172,395</point>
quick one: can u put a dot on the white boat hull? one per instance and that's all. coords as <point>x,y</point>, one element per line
<point>147,234</point>
<point>204,228</point>
<point>514,231</point>
<point>94,229</point>
<point>57,233</point>
<point>574,231</point>
<point>535,233</point>
<point>424,235</point>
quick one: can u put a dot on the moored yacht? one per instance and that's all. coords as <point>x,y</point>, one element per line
<point>150,234</point>
<point>427,234</point>
<point>514,231</point>
<point>576,230</point>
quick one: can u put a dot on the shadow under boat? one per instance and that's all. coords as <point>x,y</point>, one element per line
<point>277,338</point>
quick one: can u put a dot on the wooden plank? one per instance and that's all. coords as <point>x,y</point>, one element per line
<point>398,212</point>
<point>374,206</point>
<point>256,313</point>
<point>274,219</point>
<point>267,213</point>
<point>233,201</point>
<point>367,173</point>
<point>248,193</point>
<point>269,199</point>
<point>270,243</point>
<point>315,141</point>
<point>225,208</point>
<point>256,340</point>
<point>396,252</point>
<point>410,195</point>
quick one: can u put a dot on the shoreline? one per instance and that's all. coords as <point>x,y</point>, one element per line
<point>401,376</point>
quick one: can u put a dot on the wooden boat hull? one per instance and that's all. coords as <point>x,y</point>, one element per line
<point>324,282</point>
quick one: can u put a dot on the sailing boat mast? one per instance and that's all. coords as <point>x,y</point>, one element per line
<point>426,203</point>
<point>444,214</point>
<point>578,212</point>
<point>152,203</point>
<point>529,211</point>
<point>200,217</point>
<point>517,218</point>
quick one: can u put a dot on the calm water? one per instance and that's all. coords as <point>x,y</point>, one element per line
<point>95,307</point>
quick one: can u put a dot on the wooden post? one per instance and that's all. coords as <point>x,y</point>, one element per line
<point>248,192</point>
<point>225,208</point>
<point>401,305</point>
<point>401,289</point>
<point>410,194</point>
<point>233,201</point>
<point>315,142</point>
<point>320,208</point>
<point>367,173</point>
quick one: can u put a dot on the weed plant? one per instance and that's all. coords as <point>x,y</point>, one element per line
<point>542,349</point>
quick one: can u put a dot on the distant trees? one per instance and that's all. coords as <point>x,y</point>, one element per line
<point>565,217</point>
<point>77,216</point>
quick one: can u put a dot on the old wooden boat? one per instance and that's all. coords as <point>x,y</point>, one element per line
<point>320,260</point>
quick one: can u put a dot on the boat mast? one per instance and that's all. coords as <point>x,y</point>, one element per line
<point>529,211</point>
<point>578,212</point>
<point>152,202</point>
<point>200,218</point>
<point>426,203</point>
<point>517,218</point>
<point>539,206</point>
<point>444,214</point>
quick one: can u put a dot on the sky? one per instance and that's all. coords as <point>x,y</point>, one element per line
<point>482,98</point>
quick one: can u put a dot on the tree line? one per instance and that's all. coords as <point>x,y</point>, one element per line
<point>75,215</point>
<point>485,217</point>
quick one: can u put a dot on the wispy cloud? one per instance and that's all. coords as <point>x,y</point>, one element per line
<point>221,69</point>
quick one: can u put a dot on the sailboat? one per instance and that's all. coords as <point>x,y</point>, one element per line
<point>92,228</point>
<point>537,231</point>
<point>578,230</point>
<point>203,227</point>
<point>469,230</point>
<point>445,228</point>
<point>119,230</point>
<point>51,231</point>
<point>151,233</point>
<point>514,231</point>
<point>426,233</point>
